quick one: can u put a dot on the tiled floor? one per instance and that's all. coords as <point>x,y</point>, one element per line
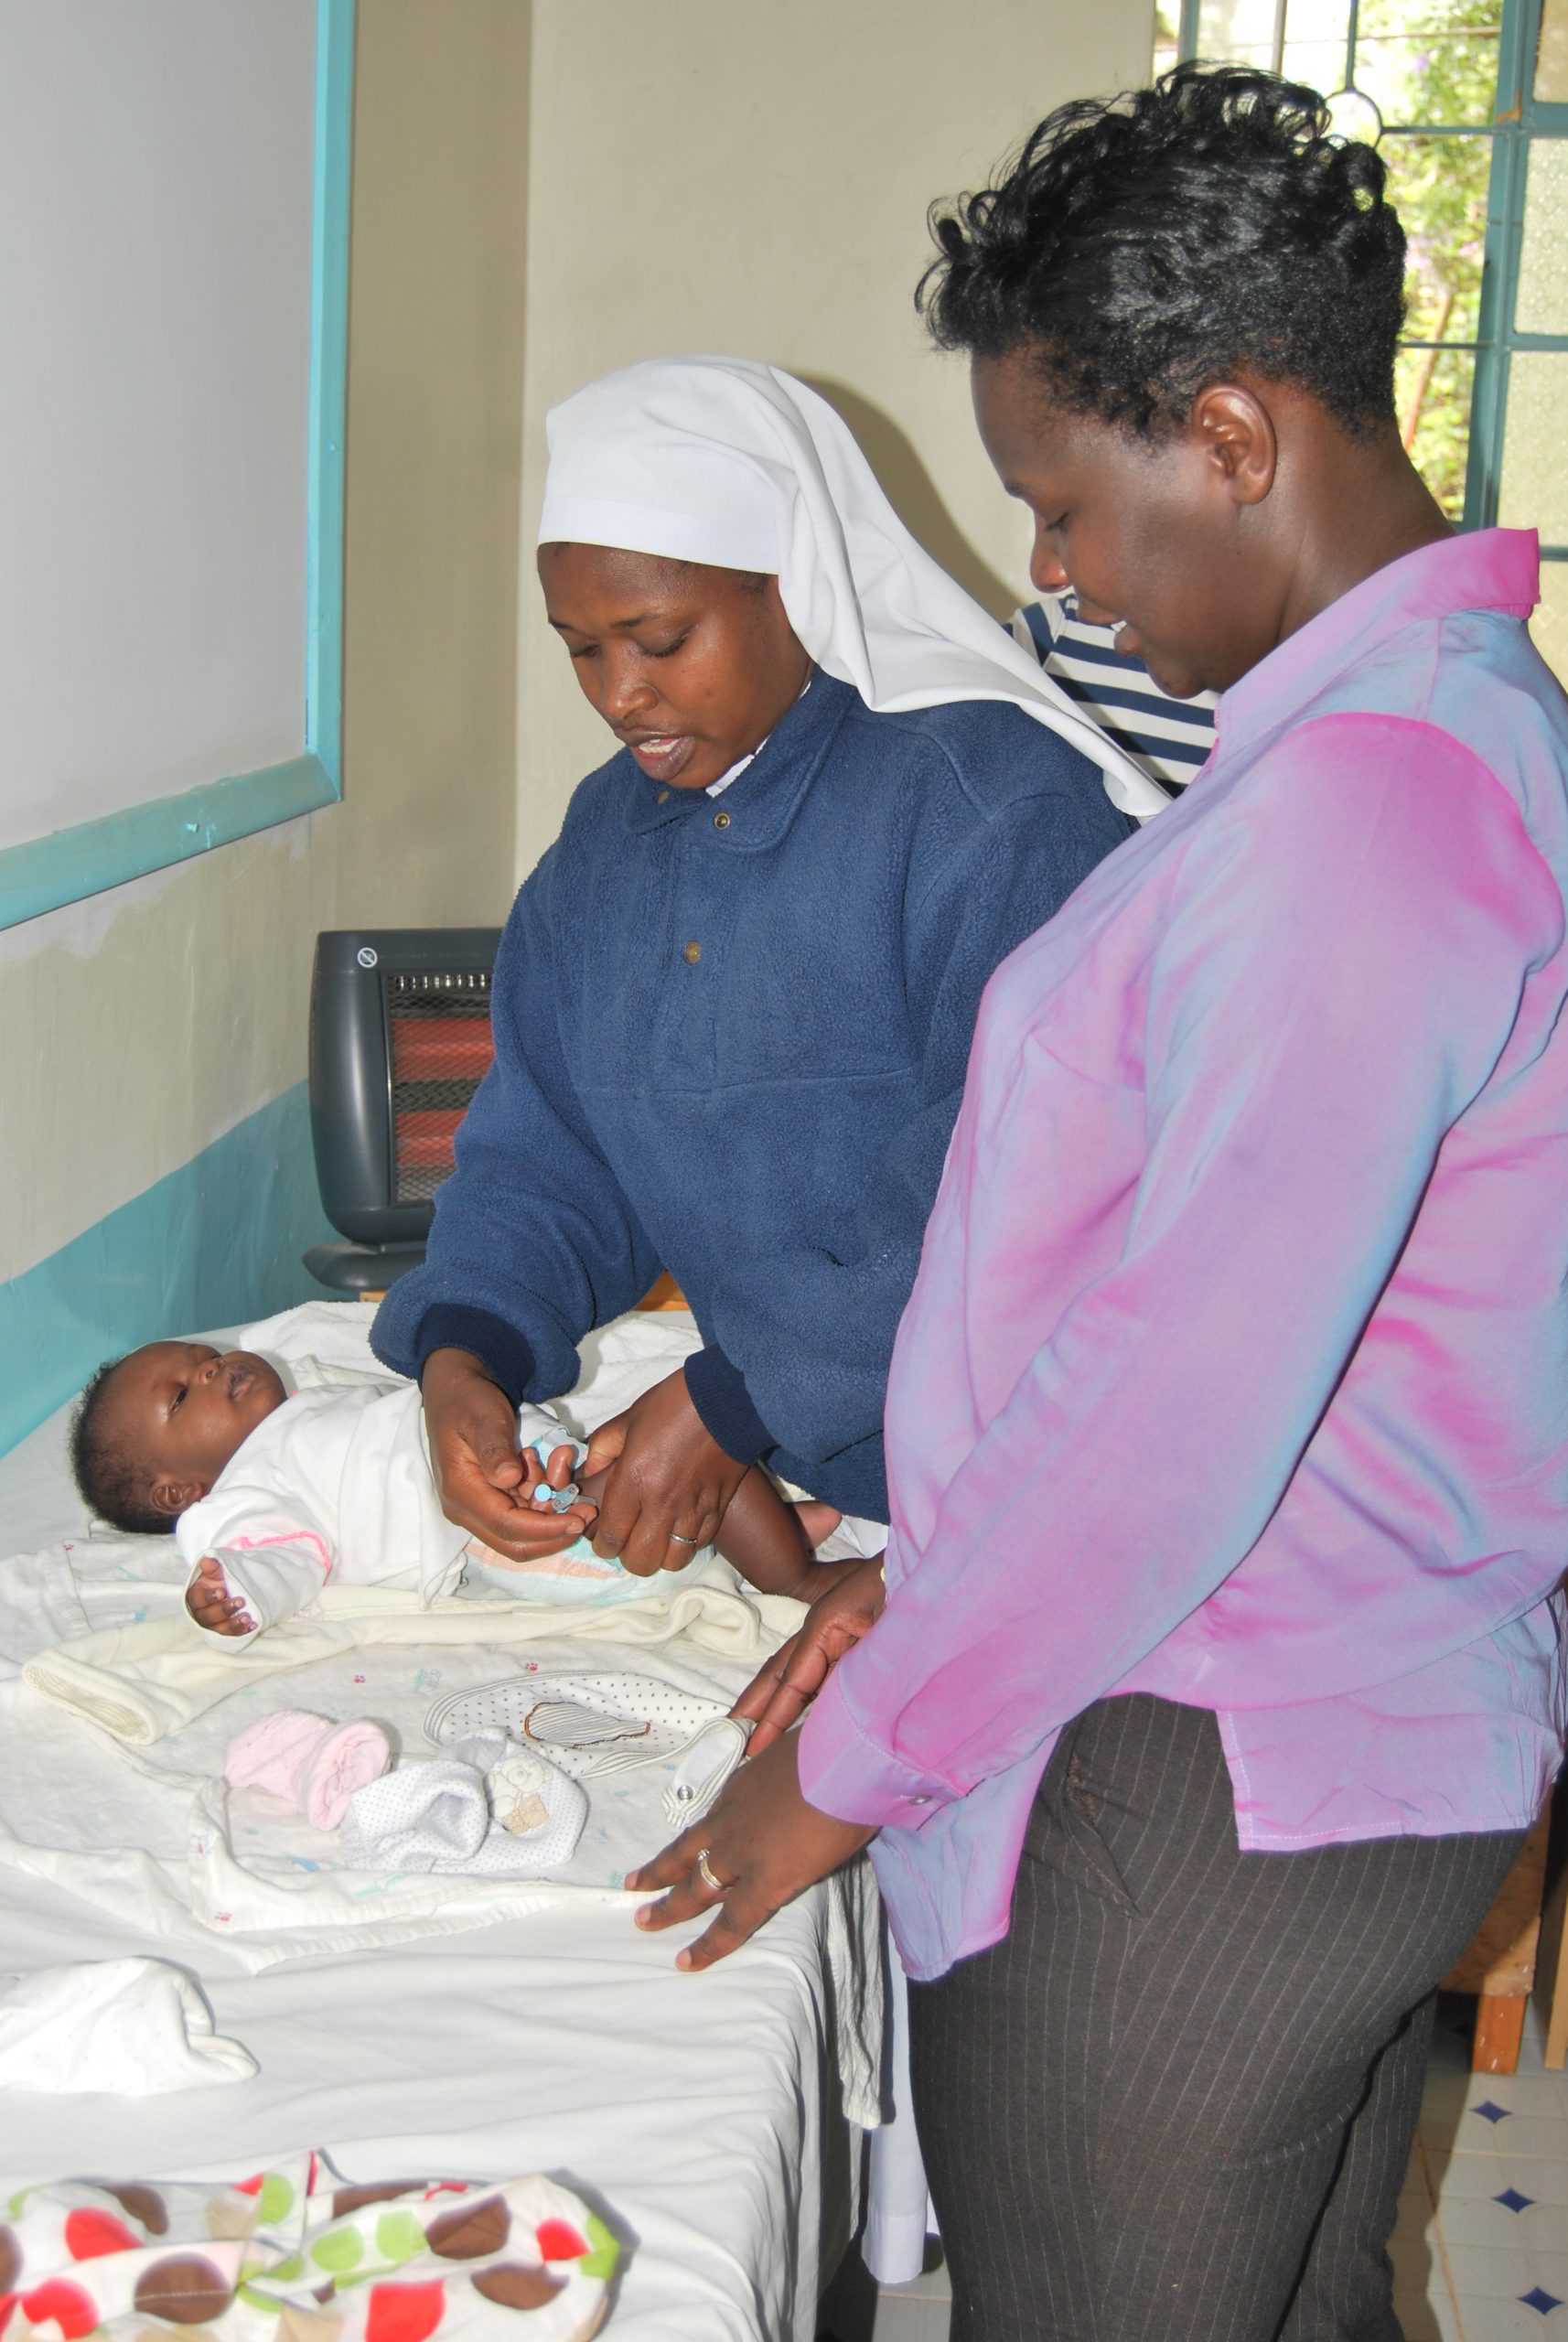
<point>1481,2250</point>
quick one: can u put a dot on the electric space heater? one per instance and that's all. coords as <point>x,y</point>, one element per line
<point>399,1040</point>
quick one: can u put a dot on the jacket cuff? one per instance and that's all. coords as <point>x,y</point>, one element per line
<point>844,1774</point>
<point>717,1390</point>
<point>500,1349</point>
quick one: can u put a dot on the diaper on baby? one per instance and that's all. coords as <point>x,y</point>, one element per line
<point>578,1575</point>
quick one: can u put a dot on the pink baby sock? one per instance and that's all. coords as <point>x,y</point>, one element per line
<point>308,1762</point>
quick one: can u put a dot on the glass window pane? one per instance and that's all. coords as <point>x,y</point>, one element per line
<point>1430,60</point>
<point>1236,32</point>
<point>1542,306</point>
<point>1552,55</point>
<point>1439,187</point>
<point>1432,394</point>
<point>1314,42</point>
<point>1550,625</point>
<point>1167,28</point>
<point>1534,488</point>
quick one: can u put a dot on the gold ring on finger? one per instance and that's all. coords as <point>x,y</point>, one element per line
<point>705,1872</point>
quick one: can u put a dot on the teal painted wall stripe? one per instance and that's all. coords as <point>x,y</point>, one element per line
<point>328,383</point>
<point>91,856</point>
<point>215,1242</point>
<point>68,863</point>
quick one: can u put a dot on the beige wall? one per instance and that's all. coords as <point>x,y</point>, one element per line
<point>727,176</point>
<point>703,174</point>
<point>142,1024</point>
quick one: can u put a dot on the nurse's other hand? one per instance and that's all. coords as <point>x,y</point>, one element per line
<point>762,1841</point>
<point>780,1693</point>
<point>669,1484</point>
<point>480,1478</point>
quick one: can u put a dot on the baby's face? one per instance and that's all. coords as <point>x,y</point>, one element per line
<point>183,1410</point>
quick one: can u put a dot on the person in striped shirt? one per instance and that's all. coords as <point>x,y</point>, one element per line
<point>1075,641</point>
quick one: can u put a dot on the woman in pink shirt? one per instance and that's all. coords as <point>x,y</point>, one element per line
<point>1217,1672</point>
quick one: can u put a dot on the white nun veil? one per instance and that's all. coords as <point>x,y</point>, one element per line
<point>724,461</point>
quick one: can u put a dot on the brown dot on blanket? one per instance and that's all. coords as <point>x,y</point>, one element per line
<point>10,2262</point>
<point>143,2203</point>
<point>467,2234</point>
<point>511,2287</point>
<point>354,2199</point>
<point>184,2288</point>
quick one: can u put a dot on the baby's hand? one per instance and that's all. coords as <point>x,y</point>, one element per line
<point>212,1606</point>
<point>542,1481</point>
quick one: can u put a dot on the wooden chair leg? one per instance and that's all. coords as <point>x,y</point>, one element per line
<point>1499,2033</point>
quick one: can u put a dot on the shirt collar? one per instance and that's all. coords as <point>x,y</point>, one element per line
<point>777,775</point>
<point>1490,569</point>
<point>717,788</point>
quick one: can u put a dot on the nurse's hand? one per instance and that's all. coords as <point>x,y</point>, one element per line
<point>482,1480</point>
<point>779,1693</point>
<point>764,1845</point>
<point>669,1485</point>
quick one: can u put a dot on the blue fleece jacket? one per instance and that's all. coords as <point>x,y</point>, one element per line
<point>730,1041</point>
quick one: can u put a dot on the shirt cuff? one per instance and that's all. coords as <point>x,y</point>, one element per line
<point>717,1390</point>
<point>500,1349</point>
<point>844,1774</point>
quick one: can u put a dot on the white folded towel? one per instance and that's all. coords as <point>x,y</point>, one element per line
<point>131,2027</point>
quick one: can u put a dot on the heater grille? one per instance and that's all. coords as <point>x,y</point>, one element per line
<point>439,1050</point>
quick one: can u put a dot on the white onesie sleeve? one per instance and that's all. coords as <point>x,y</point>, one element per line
<point>276,1561</point>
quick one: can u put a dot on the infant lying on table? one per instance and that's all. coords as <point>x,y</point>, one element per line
<point>270,1493</point>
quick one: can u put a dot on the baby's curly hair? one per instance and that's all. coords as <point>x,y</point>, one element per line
<point>113,1484</point>
<point>1138,249</point>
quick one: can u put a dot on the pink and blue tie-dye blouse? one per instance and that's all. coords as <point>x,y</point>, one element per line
<point>1237,1368</point>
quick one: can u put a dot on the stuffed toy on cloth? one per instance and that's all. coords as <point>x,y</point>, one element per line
<point>294,2255</point>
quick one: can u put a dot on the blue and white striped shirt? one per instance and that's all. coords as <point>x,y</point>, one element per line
<point>1170,738</point>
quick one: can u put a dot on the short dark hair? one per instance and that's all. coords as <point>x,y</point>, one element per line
<point>113,1484</point>
<point>1140,248</point>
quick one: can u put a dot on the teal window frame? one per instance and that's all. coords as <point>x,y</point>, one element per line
<point>43,874</point>
<point>1518,119</point>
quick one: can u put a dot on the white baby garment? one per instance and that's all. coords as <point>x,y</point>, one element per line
<point>335,1484</point>
<point>136,2028</point>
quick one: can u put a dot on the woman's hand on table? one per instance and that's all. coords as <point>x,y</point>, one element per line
<point>669,1482</point>
<point>780,1693</point>
<point>764,1845</point>
<point>484,1483</point>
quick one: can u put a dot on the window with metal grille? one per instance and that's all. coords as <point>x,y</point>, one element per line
<point>438,1049</point>
<point>1468,101</point>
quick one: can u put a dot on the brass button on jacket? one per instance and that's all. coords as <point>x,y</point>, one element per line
<point>691,953</point>
<point>720,821</point>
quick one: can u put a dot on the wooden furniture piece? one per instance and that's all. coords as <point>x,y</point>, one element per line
<point>1520,1947</point>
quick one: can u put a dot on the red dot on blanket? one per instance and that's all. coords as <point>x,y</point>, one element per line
<point>7,2303</point>
<point>88,2234</point>
<point>247,2187</point>
<point>559,2240</point>
<point>405,2313</point>
<point>73,2310</point>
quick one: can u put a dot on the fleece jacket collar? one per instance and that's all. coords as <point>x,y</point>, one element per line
<point>765,798</point>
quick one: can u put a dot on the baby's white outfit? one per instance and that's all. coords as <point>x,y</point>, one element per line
<point>335,1487</point>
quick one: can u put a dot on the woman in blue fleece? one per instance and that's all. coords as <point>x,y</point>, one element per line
<point>733,1004</point>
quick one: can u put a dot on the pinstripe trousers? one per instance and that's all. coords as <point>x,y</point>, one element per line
<point>1177,2103</point>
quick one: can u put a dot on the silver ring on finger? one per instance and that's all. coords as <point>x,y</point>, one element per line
<point>715,1884</point>
<point>676,1539</point>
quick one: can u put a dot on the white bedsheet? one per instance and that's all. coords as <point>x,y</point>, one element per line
<point>695,2111</point>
